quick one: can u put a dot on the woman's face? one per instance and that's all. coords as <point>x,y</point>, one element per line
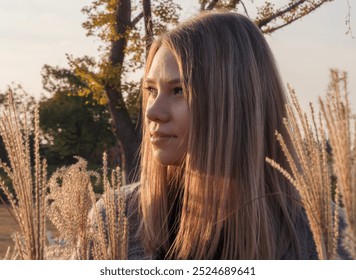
<point>167,112</point>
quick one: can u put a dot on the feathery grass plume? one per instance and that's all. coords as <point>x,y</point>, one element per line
<point>108,215</point>
<point>28,201</point>
<point>87,229</point>
<point>310,174</point>
<point>339,120</point>
<point>69,204</point>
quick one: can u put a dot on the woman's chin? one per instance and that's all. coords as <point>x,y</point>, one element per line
<point>166,158</point>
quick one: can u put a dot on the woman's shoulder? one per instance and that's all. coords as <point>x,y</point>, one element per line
<point>132,212</point>
<point>130,194</point>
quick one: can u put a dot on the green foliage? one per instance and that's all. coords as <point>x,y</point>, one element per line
<point>55,79</point>
<point>131,92</point>
<point>3,154</point>
<point>74,125</point>
<point>23,101</point>
<point>93,81</point>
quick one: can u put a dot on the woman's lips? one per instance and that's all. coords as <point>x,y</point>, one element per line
<point>161,138</point>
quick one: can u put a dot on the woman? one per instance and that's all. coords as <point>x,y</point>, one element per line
<point>212,101</point>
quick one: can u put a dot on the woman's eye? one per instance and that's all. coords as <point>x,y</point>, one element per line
<point>151,91</point>
<point>178,91</point>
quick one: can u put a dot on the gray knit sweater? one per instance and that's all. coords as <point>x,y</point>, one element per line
<point>136,250</point>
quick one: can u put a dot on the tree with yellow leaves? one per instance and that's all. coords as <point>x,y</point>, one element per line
<point>126,28</point>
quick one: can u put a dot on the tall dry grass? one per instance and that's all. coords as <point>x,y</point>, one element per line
<point>341,124</point>
<point>109,217</point>
<point>87,229</point>
<point>28,203</point>
<point>312,167</point>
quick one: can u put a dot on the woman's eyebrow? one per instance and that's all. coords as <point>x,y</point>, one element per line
<point>148,80</point>
<point>173,81</point>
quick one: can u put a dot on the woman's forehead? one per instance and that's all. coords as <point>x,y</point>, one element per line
<point>163,67</point>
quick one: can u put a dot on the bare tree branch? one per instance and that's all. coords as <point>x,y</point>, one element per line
<point>148,23</point>
<point>243,5</point>
<point>348,20</point>
<point>233,3</point>
<point>270,30</point>
<point>202,5</point>
<point>136,19</point>
<point>211,5</point>
<point>280,13</point>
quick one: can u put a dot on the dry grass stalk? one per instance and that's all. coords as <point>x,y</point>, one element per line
<point>11,254</point>
<point>28,203</point>
<point>310,174</point>
<point>109,214</point>
<point>337,113</point>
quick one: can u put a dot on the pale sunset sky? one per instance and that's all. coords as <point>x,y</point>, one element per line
<point>38,32</point>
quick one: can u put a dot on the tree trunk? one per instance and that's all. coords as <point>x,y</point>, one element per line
<point>124,130</point>
<point>148,24</point>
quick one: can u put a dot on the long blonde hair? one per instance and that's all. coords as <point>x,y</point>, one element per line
<point>232,205</point>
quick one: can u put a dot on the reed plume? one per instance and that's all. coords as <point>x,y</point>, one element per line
<point>340,123</point>
<point>28,200</point>
<point>69,204</point>
<point>88,229</point>
<point>310,174</point>
<point>108,216</point>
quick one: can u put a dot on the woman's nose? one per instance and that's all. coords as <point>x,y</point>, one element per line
<point>157,110</point>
